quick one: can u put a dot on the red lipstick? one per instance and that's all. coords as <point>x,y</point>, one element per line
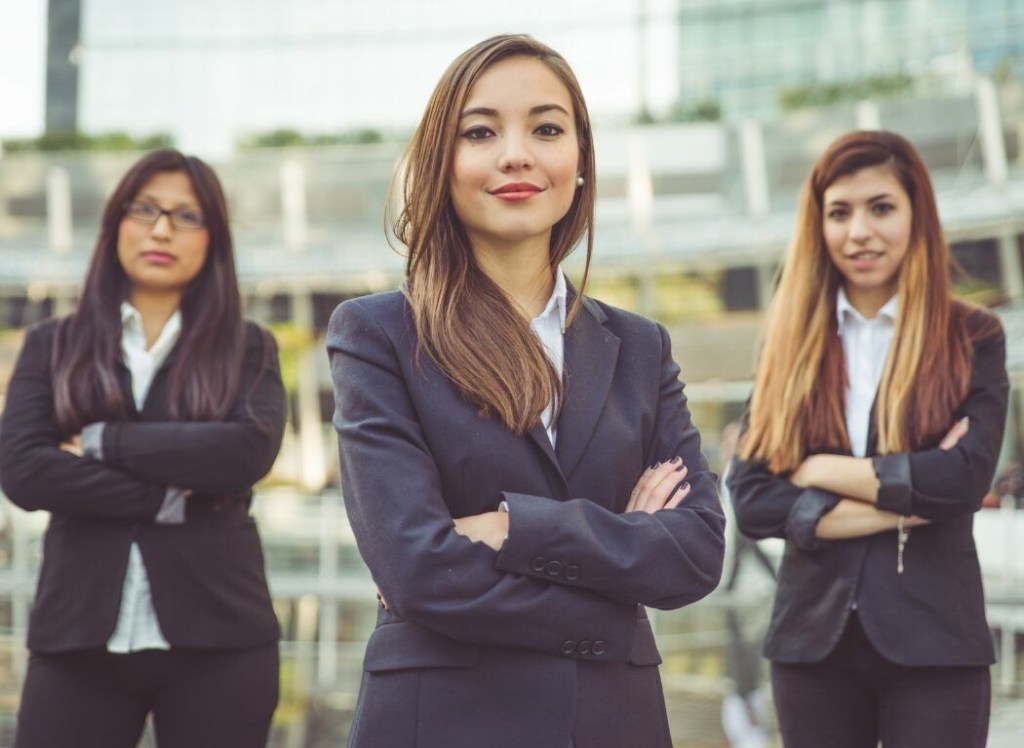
<point>516,191</point>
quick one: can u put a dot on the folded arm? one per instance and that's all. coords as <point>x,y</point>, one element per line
<point>36,473</point>
<point>664,554</point>
<point>429,574</point>
<point>210,457</point>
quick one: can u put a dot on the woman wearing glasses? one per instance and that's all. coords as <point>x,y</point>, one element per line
<point>141,422</point>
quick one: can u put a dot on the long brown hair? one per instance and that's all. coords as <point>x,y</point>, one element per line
<point>465,322</point>
<point>204,377</point>
<point>798,403</point>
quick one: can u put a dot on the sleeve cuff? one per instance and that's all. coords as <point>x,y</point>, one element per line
<point>895,489</point>
<point>807,511</point>
<point>92,440</point>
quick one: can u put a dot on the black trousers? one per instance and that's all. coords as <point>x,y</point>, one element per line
<point>198,698</point>
<point>855,697</point>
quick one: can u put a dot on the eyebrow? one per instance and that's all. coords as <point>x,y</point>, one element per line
<point>875,199</point>
<point>534,111</point>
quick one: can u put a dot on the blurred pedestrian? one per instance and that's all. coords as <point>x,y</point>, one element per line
<point>872,436</point>
<point>141,422</point>
<point>518,462</point>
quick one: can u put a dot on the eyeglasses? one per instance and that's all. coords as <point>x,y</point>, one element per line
<point>182,218</point>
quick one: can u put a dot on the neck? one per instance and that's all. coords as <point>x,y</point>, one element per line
<point>869,301</point>
<point>155,309</point>
<point>523,273</point>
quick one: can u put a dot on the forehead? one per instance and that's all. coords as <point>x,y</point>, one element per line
<point>172,186</point>
<point>518,83</point>
<point>865,184</point>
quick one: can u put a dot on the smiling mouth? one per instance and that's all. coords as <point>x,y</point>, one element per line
<point>516,191</point>
<point>865,255</point>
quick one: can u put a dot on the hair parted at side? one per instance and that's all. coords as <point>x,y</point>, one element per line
<point>797,407</point>
<point>204,376</point>
<point>464,321</point>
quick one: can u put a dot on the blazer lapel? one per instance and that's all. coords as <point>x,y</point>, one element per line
<point>591,352</point>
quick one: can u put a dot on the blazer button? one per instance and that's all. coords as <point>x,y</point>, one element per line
<point>554,568</point>
<point>568,647</point>
<point>584,647</point>
<point>538,563</point>
<point>598,648</point>
<point>572,572</point>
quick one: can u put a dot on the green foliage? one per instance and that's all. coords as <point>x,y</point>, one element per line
<point>823,94</point>
<point>287,137</point>
<point>79,141</point>
<point>706,110</point>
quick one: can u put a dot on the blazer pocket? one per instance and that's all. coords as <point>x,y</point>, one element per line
<point>402,645</point>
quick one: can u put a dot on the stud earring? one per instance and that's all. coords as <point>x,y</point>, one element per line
<point>579,181</point>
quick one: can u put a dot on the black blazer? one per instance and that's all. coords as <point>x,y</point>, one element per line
<point>933,613</point>
<point>548,637</point>
<point>206,575</point>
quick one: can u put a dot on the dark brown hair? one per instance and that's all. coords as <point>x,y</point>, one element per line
<point>204,377</point>
<point>465,322</point>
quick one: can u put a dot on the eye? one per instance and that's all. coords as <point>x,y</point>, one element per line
<point>883,208</point>
<point>549,130</point>
<point>190,218</point>
<point>479,132</point>
<point>836,214</point>
<point>143,210</point>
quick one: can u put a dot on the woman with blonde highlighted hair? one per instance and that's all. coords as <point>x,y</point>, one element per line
<point>872,436</point>
<point>518,462</point>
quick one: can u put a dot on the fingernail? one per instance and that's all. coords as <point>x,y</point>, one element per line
<point>685,486</point>
<point>676,459</point>
<point>680,468</point>
<point>964,421</point>
<point>657,465</point>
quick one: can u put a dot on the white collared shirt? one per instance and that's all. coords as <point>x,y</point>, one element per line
<point>137,625</point>
<point>549,327</point>
<point>866,344</point>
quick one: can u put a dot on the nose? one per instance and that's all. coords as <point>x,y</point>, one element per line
<point>163,228</point>
<point>860,226</point>
<point>515,153</point>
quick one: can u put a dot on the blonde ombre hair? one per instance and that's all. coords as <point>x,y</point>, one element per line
<point>797,407</point>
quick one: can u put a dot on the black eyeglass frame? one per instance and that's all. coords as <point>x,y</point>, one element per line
<point>174,216</point>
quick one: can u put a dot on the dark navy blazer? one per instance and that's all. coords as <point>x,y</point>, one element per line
<point>933,613</point>
<point>206,575</point>
<point>546,639</point>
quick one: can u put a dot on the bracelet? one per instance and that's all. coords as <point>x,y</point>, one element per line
<point>902,536</point>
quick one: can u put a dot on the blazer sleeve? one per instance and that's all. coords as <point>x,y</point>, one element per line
<point>769,506</point>
<point>36,473</point>
<point>430,575</point>
<point>664,560</point>
<point>211,457</point>
<point>936,483</point>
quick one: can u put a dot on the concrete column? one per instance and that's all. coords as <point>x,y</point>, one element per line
<point>990,133</point>
<point>58,209</point>
<point>294,216</point>
<point>327,655</point>
<point>754,168</point>
<point>311,438</point>
<point>1010,271</point>
<point>868,115</point>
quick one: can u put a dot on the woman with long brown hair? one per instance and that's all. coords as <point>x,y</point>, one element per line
<point>141,422</point>
<point>871,438</point>
<point>518,462</point>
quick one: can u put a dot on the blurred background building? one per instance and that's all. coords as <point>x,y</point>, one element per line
<point>708,115</point>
